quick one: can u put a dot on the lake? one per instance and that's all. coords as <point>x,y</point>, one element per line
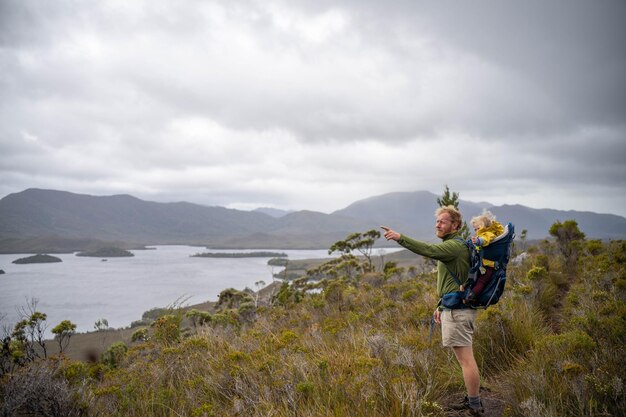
<point>84,290</point>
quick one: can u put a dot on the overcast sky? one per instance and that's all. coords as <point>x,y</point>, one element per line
<point>316,104</point>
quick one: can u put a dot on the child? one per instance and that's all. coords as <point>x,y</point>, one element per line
<point>486,228</point>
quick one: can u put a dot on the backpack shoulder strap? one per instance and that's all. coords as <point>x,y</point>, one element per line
<point>456,279</point>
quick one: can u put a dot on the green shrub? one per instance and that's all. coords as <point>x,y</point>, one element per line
<point>140,335</point>
<point>114,355</point>
<point>205,410</point>
<point>75,372</point>
<point>247,311</point>
<point>506,333</point>
<point>537,273</point>
<point>167,328</point>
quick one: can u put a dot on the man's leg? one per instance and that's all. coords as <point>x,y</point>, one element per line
<point>457,329</point>
<point>471,376</point>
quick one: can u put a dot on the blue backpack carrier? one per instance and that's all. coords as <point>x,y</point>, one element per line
<point>499,251</point>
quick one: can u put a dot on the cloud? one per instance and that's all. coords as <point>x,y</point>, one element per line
<point>306,104</point>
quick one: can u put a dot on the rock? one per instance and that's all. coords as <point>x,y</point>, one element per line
<point>519,259</point>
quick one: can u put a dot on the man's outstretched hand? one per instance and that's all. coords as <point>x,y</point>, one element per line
<point>390,234</point>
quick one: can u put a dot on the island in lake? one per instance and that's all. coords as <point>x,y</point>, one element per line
<point>240,255</point>
<point>278,262</point>
<point>37,259</point>
<point>109,252</point>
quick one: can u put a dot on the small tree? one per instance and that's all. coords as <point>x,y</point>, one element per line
<point>568,241</point>
<point>259,286</point>
<point>448,199</point>
<point>21,348</point>
<point>361,242</point>
<point>452,199</point>
<point>37,327</point>
<point>63,333</point>
<point>31,330</point>
<point>522,238</point>
<point>345,267</point>
<point>101,325</point>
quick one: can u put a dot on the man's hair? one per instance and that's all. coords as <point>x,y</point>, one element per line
<point>455,215</point>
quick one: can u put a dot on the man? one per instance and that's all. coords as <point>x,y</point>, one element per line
<point>457,326</point>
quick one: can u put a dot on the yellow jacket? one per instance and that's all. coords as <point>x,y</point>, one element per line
<point>485,235</point>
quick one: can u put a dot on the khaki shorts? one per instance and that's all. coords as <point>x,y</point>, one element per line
<point>457,327</point>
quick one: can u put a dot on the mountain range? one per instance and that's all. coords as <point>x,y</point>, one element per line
<point>37,220</point>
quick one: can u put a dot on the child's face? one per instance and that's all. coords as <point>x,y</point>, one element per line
<point>476,226</point>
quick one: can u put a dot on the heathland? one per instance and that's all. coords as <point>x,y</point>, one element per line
<point>352,338</point>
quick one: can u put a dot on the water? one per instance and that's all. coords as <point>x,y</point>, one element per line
<point>84,289</point>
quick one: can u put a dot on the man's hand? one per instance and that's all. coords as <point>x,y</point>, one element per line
<point>390,234</point>
<point>437,316</point>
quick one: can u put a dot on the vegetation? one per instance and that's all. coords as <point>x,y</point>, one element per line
<point>63,332</point>
<point>360,242</point>
<point>351,339</point>
<point>56,244</point>
<point>240,255</point>
<point>108,252</point>
<point>37,259</point>
<point>278,262</point>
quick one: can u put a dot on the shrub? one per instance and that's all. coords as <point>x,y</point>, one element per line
<point>36,390</point>
<point>140,335</point>
<point>555,377</point>
<point>247,311</point>
<point>114,355</point>
<point>506,333</point>
<point>167,328</point>
<point>75,372</point>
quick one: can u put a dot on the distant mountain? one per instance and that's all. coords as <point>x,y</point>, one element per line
<point>273,211</point>
<point>538,221</point>
<point>38,215</point>
<point>37,212</point>
<point>49,221</point>
<point>412,213</point>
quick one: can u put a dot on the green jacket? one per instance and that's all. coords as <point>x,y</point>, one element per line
<point>451,253</point>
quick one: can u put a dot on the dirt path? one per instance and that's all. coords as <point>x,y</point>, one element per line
<point>492,401</point>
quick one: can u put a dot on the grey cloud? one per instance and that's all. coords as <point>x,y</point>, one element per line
<point>570,52</point>
<point>558,67</point>
<point>542,81</point>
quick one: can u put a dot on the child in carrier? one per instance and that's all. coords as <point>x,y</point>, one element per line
<point>486,228</point>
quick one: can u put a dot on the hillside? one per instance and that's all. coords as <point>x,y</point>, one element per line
<point>37,220</point>
<point>35,214</point>
<point>358,344</point>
